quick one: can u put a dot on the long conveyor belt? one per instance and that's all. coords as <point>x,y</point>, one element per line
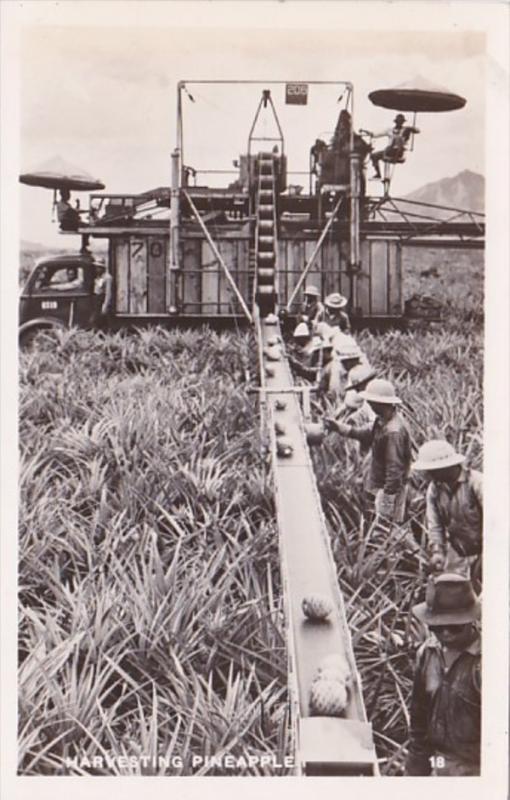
<point>325,745</point>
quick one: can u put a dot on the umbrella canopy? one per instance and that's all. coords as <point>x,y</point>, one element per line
<point>417,95</point>
<point>59,174</point>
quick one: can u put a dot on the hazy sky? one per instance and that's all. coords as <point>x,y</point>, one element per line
<point>104,98</point>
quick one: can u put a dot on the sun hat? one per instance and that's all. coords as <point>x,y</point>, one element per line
<point>437,454</point>
<point>312,291</point>
<point>399,118</point>
<point>449,600</point>
<point>301,329</point>
<point>346,347</point>
<point>381,391</point>
<point>335,301</point>
<point>359,374</point>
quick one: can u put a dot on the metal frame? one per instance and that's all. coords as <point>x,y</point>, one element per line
<point>354,212</point>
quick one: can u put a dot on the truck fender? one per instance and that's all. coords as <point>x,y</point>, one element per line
<point>32,326</point>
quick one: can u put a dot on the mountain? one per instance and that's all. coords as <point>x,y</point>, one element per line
<point>32,247</point>
<point>465,191</point>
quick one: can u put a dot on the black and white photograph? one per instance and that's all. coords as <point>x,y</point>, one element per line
<point>254,397</point>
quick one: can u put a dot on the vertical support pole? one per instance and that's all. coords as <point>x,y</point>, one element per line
<point>354,216</point>
<point>173,249</point>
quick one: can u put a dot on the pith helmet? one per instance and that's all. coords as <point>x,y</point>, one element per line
<point>346,347</point>
<point>381,391</point>
<point>312,291</point>
<point>437,454</point>
<point>359,374</point>
<point>449,600</point>
<point>301,330</point>
<point>335,301</point>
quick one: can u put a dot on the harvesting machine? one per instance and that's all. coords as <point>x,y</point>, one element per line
<point>195,252</point>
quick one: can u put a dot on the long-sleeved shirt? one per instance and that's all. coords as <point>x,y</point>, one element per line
<point>390,447</point>
<point>456,513</point>
<point>445,708</point>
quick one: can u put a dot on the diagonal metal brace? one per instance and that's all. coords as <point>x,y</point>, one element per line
<point>314,254</point>
<point>218,256</point>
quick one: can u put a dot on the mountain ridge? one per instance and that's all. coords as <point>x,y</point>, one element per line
<point>465,191</point>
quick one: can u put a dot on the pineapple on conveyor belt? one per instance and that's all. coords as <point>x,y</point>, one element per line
<point>316,607</point>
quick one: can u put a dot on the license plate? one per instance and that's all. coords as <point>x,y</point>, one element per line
<point>48,304</point>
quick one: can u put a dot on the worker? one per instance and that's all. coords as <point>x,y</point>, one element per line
<point>334,378</point>
<point>398,136</point>
<point>390,449</point>
<point>301,335</point>
<point>102,295</point>
<point>445,700</point>
<point>354,407</point>
<point>335,316</point>
<point>316,358</point>
<point>68,217</point>
<point>313,309</point>
<point>454,509</point>
<point>74,276</point>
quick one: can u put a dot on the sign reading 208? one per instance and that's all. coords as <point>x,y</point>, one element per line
<point>296,94</point>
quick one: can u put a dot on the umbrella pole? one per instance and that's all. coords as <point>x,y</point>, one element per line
<point>411,148</point>
<point>54,206</point>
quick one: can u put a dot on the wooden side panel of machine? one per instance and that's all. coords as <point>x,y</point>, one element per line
<point>331,267</point>
<point>395,278</point>
<point>156,269</point>
<point>138,275</point>
<point>378,255</point>
<point>328,272</point>
<point>191,276</point>
<point>241,275</point>
<point>121,262</point>
<point>379,284</point>
<point>210,267</point>
<point>228,251</point>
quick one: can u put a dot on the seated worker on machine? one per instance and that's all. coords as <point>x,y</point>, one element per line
<point>398,137</point>
<point>68,217</point>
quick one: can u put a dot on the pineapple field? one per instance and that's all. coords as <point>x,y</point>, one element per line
<point>151,630</point>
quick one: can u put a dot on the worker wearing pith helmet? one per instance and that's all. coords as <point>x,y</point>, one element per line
<point>313,309</point>
<point>445,701</point>
<point>454,504</point>
<point>354,403</point>
<point>335,314</point>
<point>356,411</point>
<point>346,353</point>
<point>390,449</point>
<point>301,334</point>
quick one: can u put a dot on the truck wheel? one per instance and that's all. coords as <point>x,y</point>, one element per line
<point>28,335</point>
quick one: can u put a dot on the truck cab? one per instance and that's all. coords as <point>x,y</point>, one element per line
<point>59,293</point>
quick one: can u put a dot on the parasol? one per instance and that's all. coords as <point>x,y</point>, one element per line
<point>417,95</point>
<point>59,174</point>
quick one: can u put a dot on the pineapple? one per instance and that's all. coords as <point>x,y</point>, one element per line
<point>316,607</point>
<point>328,698</point>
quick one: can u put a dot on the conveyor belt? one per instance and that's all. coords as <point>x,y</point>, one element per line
<point>265,234</point>
<point>326,745</point>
